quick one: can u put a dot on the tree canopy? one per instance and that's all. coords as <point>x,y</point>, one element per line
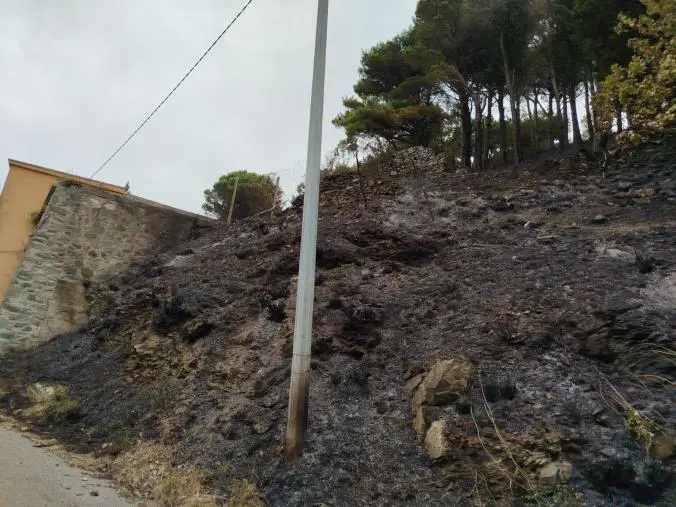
<point>533,62</point>
<point>646,87</point>
<point>255,193</point>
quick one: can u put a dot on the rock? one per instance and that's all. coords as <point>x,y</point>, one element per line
<point>413,382</point>
<point>662,447</point>
<point>555,473</point>
<point>446,382</point>
<point>419,424</point>
<point>436,443</point>
<point>624,185</point>
<point>94,493</point>
<point>599,219</point>
<point>261,426</point>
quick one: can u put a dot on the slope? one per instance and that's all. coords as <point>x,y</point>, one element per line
<point>552,285</point>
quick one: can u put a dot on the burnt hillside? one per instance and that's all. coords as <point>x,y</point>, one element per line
<point>543,297</point>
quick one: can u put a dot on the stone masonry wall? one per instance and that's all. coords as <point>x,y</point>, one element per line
<point>84,235</point>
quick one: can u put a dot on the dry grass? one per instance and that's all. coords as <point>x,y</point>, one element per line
<point>183,488</point>
<point>245,494</point>
<point>143,468</point>
<point>641,426</point>
<point>518,477</point>
<point>147,471</point>
<point>646,353</point>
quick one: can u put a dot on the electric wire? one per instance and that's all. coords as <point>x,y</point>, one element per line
<point>199,60</point>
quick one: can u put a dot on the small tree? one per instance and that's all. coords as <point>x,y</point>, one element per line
<point>646,87</point>
<point>255,193</point>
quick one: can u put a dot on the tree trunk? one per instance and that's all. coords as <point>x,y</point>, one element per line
<point>550,120</point>
<point>591,123</point>
<point>564,128</point>
<point>600,139</point>
<point>488,131</point>
<point>513,99</point>
<point>478,132</point>
<point>466,128</point>
<point>503,123</point>
<point>536,121</point>
<point>563,118</point>
<point>577,135</point>
<point>618,116</point>
<point>532,123</point>
<point>516,115</point>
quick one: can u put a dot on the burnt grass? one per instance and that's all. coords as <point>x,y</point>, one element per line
<point>558,309</point>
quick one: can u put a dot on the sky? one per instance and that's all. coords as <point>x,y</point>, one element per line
<point>77,77</point>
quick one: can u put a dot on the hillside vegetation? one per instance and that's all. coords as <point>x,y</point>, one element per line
<point>480,339</point>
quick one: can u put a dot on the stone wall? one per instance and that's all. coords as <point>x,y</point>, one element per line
<point>84,235</point>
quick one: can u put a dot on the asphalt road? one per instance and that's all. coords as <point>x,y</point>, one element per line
<point>34,477</point>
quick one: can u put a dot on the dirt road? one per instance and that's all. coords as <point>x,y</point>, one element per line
<point>35,477</point>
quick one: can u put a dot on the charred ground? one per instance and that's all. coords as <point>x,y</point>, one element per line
<point>557,281</point>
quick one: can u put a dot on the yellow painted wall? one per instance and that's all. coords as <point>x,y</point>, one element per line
<point>21,200</point>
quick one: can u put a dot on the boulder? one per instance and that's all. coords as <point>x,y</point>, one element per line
<point>446,381</point>
<point>436,443</point>
<point>413,383</point>
<point>555,473</point>
<point>419,424</point>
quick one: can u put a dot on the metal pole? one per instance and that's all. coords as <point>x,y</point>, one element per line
<point>300,365</point>
<point>232,201</point>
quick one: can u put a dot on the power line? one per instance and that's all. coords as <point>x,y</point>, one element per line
<point>131,136</point>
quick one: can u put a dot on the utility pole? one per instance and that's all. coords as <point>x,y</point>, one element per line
<point>302,338</point>
<point>232,201</point>
<point>277,196</point>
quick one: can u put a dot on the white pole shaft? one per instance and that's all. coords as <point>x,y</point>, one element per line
<point>302,338</point>
<point>232,201</point>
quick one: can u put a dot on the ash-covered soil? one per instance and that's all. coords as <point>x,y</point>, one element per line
<point>557,281</point>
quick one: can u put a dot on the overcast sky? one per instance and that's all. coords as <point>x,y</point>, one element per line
<point>77,76</point>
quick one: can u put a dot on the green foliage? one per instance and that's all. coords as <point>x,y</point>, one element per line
<point>52,402</point>
<point>646,87</point>
<point>594,25</point>
<point>430,85</point>
<point>395,71</point>
<point>408,124</point>
<point>255,193</point>
<point>395,95</point>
